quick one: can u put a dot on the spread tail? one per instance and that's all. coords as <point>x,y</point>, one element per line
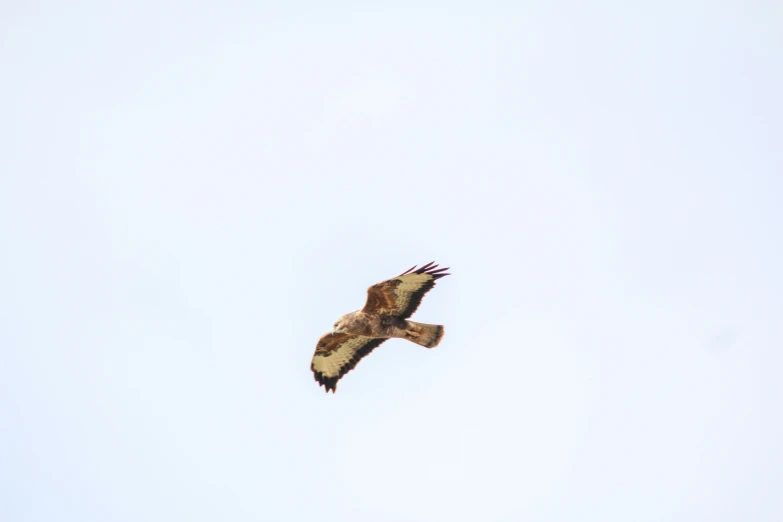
<point>427,335</point>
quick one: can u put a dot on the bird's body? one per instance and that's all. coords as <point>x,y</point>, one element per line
<point>388,326</point>
<point>384,316</point>
<point>371,325</point>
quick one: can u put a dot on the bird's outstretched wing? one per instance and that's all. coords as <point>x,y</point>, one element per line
<point>401,295</point>
<point>337,354</point>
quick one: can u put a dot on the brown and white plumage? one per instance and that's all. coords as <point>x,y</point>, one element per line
<point>338,354</point>
<point>401,295</point>
<point>384,316</point>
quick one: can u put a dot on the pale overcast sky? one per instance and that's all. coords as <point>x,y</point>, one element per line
<point>192,192</point>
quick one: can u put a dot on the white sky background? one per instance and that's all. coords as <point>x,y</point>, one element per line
<point>190,195</point>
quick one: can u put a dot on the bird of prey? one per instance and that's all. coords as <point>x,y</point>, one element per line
<point>384,316</point>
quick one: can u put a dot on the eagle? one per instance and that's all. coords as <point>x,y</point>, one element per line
<point>384,316</point>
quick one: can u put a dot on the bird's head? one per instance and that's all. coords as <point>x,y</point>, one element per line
<point>339,326</point>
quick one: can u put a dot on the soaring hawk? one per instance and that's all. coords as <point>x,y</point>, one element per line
<point>384,316</point>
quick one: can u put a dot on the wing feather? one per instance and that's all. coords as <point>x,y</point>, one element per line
<point>335,355</point>
<point>402,295</point>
